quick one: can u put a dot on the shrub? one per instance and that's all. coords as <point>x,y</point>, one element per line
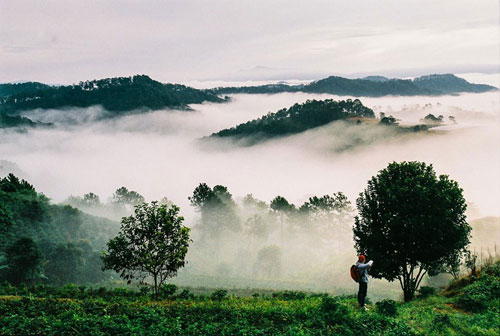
<point>478,296</point>
<point>166,291</point>
<point>441,319</point>
<point>387,307</point>
<point>290,295</point>
<point>333,311</point>
<point>185,294</point>
<point>426,291</point>
<point>219,294</point>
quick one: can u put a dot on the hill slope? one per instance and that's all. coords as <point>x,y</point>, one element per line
<point>69,240</point>
<point>298,118</point>
<point>372,86</point>
<point>117,95</point>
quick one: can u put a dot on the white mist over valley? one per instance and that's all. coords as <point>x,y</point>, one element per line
<point>159,154</point>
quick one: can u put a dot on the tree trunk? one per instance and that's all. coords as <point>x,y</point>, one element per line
<point>155,277</point>
<point>409,294</point>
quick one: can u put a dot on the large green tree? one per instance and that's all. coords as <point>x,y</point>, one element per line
<point>152,242</point>
<point>24,261</point>
<point>218,210</point>
<point>410,222</point>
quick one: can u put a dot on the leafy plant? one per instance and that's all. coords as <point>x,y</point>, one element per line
<point>219,294</point>
<point>387,307</point>
<point>426,291</point>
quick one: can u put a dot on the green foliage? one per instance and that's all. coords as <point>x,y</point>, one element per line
<point>298,118</point>
<point>334,311</point>
<point>152,242</point>
<point>7,121</point>
<point>480,295</point>
<point>387,307</point>
<point>69,241</point>
<point>218,210</point>
<point>61,259</point>
<point>76,310</point>
<point>117,95</point>
<point>10,89</point>
<point>372,86</point>
<point>449,83</point>
<point>289,295</point>
<point>166,291</point>
<point>390,120</point>
<point>410,222</point>
<point>121,197</point>
<point>24,262</point>
<point>426,291</point>
<point>219,294</point>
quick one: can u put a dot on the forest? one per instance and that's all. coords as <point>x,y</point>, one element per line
<point>117,95</point>
<point>371,86</point>
<point>298,118</point>
<point>46,249</point>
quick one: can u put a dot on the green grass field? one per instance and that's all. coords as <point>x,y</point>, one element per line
<point>469,306</point>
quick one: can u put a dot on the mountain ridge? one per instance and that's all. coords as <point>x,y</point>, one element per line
<point>372,86</point>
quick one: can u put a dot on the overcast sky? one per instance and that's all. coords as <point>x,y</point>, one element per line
<point>180,41</point>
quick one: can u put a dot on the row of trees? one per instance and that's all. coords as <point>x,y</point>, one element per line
<point>120,204</point>
<point>410,221</point>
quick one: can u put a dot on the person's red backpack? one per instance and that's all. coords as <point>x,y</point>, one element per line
<point>355,273</point>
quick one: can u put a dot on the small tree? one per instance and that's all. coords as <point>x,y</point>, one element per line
<point>411,223</point>
<point>152,242</point>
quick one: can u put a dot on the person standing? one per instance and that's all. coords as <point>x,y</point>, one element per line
<point>363,279</point>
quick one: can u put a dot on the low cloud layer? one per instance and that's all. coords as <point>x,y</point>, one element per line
<point>158,153</point>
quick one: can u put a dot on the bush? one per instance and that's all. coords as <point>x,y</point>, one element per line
<point>478,296</point>
<point>185,294</point>
<point>426,291</point>
<point>219,294</point>
<point>441,320</point>
<point>387,307</point>
<point>333,311</point>
<point>166,291</point>
<point>289,295</point>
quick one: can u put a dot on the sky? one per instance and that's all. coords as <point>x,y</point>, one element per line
<point>64,42</point>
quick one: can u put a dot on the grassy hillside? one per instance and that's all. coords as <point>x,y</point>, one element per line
<point>469,306</point>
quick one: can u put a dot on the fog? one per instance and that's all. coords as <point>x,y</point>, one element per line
<point>159,154</point>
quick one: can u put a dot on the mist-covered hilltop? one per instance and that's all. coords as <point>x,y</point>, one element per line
<point>116,95</point>
<point>299,117</point>
<point>372,86</point>
<point>7,121</point>
<point>315,113</point>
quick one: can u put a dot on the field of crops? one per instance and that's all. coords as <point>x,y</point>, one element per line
<point>468,307</point>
